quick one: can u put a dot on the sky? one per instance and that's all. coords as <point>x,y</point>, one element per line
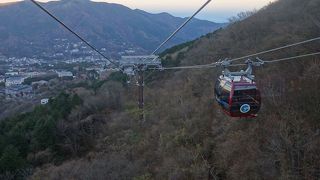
<point>217,10</point>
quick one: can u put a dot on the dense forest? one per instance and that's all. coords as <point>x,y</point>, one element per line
<point>96,133</point>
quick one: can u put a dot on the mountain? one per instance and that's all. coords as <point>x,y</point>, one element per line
<point>26,31</point>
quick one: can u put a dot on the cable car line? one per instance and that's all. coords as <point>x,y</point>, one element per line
<point>183,25</point>
<point>173,34</point>
<point>255,54</point>
<point>282,59</point>
<point>276,49</point>
<point>207,66</point>
<point>294,57</point>
<point>236,92</point>
<point>187,67</point>
<point>73,32</point>
<point>214,65</point>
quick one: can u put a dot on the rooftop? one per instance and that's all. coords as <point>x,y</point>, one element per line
<point>18,87</point>
<point>15,78</point>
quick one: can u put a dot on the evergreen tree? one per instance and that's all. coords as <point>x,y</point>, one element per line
<point>11,159</point>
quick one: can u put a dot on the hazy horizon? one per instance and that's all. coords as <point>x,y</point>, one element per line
<point>217,10</point>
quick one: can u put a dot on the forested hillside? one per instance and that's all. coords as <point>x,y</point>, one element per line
<point>185,135</point>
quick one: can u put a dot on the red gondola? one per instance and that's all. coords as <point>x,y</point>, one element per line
<point>237,93</point>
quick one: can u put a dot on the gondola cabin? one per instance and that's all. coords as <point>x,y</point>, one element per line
<point>238,96</point>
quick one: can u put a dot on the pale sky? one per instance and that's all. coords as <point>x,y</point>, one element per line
<point>217,10</point>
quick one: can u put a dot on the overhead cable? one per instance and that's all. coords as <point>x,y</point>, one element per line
<point>276,49</point>
<point>263,52</point>
<point>206,66</point>
<point>292,58</point>
<point>184,24</point>
<point>175,32</point>
<point>73,32</point>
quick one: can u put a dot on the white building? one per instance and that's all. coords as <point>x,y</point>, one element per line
<point>40,83</point>
<point>14,81</point>
<point>44,101</point>
<point>17,91</point>
<point>11,74</point>
<point>74,50</point>
<point>33,74</point>
<point>62,74</point>
<point>2,79</point>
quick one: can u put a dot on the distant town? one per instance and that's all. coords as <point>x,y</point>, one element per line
<point>26,82</point>
<point>25,78</point>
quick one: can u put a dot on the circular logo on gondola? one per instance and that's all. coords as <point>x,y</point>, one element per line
<point>245,108</point>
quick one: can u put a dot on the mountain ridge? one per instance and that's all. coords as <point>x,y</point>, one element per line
<point>107,25</point>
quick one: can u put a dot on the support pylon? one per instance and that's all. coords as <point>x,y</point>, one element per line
<point>141,92</point>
